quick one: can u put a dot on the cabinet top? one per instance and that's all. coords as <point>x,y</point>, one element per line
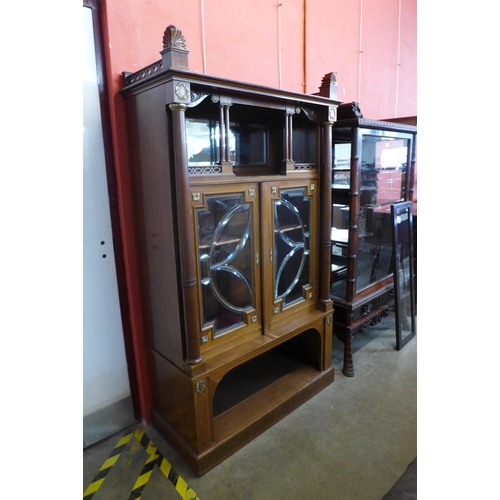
<point>375,125</point>
<point>174,67</point>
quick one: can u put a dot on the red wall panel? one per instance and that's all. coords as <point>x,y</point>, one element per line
<point>371,44</point>
<point>407,97</point>
<point>241,41</point>
<point>379,58</point>
<point>333,45</point>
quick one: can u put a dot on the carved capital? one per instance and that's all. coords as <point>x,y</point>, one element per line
<point>177,107</point>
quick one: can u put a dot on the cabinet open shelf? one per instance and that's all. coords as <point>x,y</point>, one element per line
<point>257,374</point>
<point>269,397</point>
<point>264,383</point>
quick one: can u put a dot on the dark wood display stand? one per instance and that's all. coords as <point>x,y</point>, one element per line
<point>233,206</point>
<point>366,180</point>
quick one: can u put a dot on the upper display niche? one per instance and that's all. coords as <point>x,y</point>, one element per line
<point>254,139</point>
<point>234,128</point>
<point>226,135</point>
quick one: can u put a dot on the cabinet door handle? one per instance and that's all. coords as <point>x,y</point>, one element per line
<point>271,254</point>
<point>257,258</point>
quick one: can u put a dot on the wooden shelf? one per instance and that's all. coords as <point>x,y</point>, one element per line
<point>270,396</point>
<point>242,423</point>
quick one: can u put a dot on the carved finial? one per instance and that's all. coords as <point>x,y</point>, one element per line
<point>173,38</point>
<point>329,85</point>
<point>332,77</point>
<point>174,54</point>
<point>349,110</point>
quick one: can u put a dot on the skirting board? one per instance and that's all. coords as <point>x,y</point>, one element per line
<point>107,421</point>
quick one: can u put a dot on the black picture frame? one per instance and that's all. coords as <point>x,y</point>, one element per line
<point>404,277</point>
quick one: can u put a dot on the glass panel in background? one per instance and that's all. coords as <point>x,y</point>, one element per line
<point>341,177</point>
<point>405,312</point>
<point>341,166</point>
<point>305,145</point>
<point>382,182</point>
<point>292,219</point>
<point>249,144</point>
<point>224,233</point>
<point>403,273</point>
<point>202,138</point>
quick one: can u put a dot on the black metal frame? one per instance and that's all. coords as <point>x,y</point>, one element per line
<point>404,277</point>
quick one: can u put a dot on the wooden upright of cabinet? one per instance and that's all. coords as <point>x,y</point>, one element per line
<point>230,181</point>
<point>373,164</point>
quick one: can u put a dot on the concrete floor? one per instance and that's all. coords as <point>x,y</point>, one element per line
<point>352,441</point>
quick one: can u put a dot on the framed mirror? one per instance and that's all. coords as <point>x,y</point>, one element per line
<point>404,279</point>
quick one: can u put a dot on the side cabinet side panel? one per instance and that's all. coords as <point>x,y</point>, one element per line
<point>152,167</point>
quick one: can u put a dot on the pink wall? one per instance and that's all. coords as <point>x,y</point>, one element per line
<point>242,41</point>
<point>293,46</point>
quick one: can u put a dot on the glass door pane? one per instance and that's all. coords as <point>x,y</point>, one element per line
<point>341,188</point>
<point>382,180</point>
<point>292,221</point>
<point>404,282</point>
<point>225,260</point>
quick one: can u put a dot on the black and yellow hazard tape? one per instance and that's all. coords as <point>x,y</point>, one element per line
<point>103,471</point>
<point>145,474</point>
<point>155,458</point>
<point>180,485</point>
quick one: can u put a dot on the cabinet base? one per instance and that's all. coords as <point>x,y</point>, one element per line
<point>286,398</point>
<point>351,319</point>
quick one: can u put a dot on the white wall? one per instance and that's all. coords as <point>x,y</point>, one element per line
<point>105,376</point>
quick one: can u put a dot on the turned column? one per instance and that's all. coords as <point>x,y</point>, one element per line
<point>348,368</point>
<point>326,216</point>
<point>410,174</point>
<point>288,162</point>
<point>353,216</point>
<point>189,282</point>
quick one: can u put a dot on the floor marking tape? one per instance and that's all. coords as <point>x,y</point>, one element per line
<point>103,471</point>
<point>180,485</point>
<point>155,458</point>
<point>145,474</point>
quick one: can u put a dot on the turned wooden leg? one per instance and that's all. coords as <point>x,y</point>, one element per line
<point>348,369</point>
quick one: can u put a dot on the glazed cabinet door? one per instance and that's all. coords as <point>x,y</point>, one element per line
<point>226,222</point>
<point>289,236</point>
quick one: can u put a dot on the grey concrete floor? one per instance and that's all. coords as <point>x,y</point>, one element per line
<point>352,441</point>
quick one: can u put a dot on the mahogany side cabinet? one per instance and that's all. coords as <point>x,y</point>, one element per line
<point>373,166</point>
<point>233,222</point>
